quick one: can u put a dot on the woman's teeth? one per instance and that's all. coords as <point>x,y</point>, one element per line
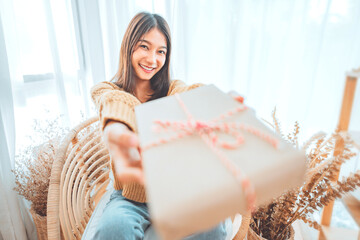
<point>146,68</point>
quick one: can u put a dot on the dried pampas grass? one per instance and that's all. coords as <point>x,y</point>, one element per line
<point>273,221</point>
<point>33,164</point>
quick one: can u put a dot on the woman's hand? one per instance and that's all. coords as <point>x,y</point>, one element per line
<point>123,146</point>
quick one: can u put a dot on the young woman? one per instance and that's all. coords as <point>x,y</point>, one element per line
<point>143,76</point>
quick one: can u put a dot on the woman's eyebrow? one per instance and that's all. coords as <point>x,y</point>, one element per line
<point>146,41</point>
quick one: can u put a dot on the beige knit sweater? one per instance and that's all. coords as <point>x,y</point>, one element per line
<point>113,103</point>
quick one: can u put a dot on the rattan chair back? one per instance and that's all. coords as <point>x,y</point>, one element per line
<point>79,177</point>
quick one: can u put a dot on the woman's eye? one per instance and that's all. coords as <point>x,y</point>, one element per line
<point>162,52</point>
<point>144,46</point>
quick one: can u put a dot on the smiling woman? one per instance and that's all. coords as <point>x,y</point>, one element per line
<point>145,55</point>
<point>148,58</point>
<point>143,76</point>
<point>289,54</point>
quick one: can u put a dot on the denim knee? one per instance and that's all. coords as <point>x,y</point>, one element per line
<point>122,219</point>
<point>219,232</point>
<point>120,227</point>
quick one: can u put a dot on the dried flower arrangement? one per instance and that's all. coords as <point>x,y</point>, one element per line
<point>273,220</point>
<point>33,164</point>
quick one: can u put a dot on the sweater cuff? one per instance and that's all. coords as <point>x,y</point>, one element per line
<point>118,111</point>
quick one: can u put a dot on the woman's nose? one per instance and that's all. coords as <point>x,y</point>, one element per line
<point>151,57</point>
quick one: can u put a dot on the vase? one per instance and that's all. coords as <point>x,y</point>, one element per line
<point>40,224</point>
<point>254,236</point>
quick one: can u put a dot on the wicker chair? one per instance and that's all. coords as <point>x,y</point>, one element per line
<point>79,177</point>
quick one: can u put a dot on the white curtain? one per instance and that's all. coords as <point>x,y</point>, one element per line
<point>15,222</point>
<point>288,54</point>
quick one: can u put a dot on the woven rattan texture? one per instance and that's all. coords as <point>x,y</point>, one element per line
<point>79,177</point>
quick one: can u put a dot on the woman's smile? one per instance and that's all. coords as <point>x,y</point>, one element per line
<point>147,69</point>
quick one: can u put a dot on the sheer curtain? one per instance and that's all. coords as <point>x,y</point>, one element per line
<point>15,222</point>
<point>288,54</point>
<point>39,80</point>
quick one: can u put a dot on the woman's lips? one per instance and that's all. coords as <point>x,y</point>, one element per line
<point>146,69</point>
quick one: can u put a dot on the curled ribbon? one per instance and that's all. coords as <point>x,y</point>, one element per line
<point>206,130</point>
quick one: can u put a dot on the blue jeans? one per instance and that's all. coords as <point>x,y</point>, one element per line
<point>128,220</point>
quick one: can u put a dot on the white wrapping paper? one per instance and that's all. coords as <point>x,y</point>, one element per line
<point>188,188</point>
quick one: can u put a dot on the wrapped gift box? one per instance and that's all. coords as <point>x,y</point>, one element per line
<point>188,188</point>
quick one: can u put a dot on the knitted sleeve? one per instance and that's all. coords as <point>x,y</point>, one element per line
<point>113,103</point>
<point>178,86</point>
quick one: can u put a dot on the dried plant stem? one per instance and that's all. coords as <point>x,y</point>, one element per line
<point>321,166</point>
<point>297,213</point>
<point>313,138</point>
<point>271,125</point>
<point>322,176</point>
<point>273,221</point>
<point>318,153</point>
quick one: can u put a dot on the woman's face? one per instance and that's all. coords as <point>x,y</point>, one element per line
<point>149,55</point>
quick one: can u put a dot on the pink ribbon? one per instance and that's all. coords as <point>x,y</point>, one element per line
<point>206,130</point>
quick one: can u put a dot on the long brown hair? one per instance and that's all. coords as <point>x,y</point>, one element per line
<point>142,23</point>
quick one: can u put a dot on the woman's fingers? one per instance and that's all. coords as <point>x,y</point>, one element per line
<point>122,142</point>
<point>124,148</point>
<point>126,173</point>
<point>134,154</point>
<point>128,154</point>
<point>119,134</point>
